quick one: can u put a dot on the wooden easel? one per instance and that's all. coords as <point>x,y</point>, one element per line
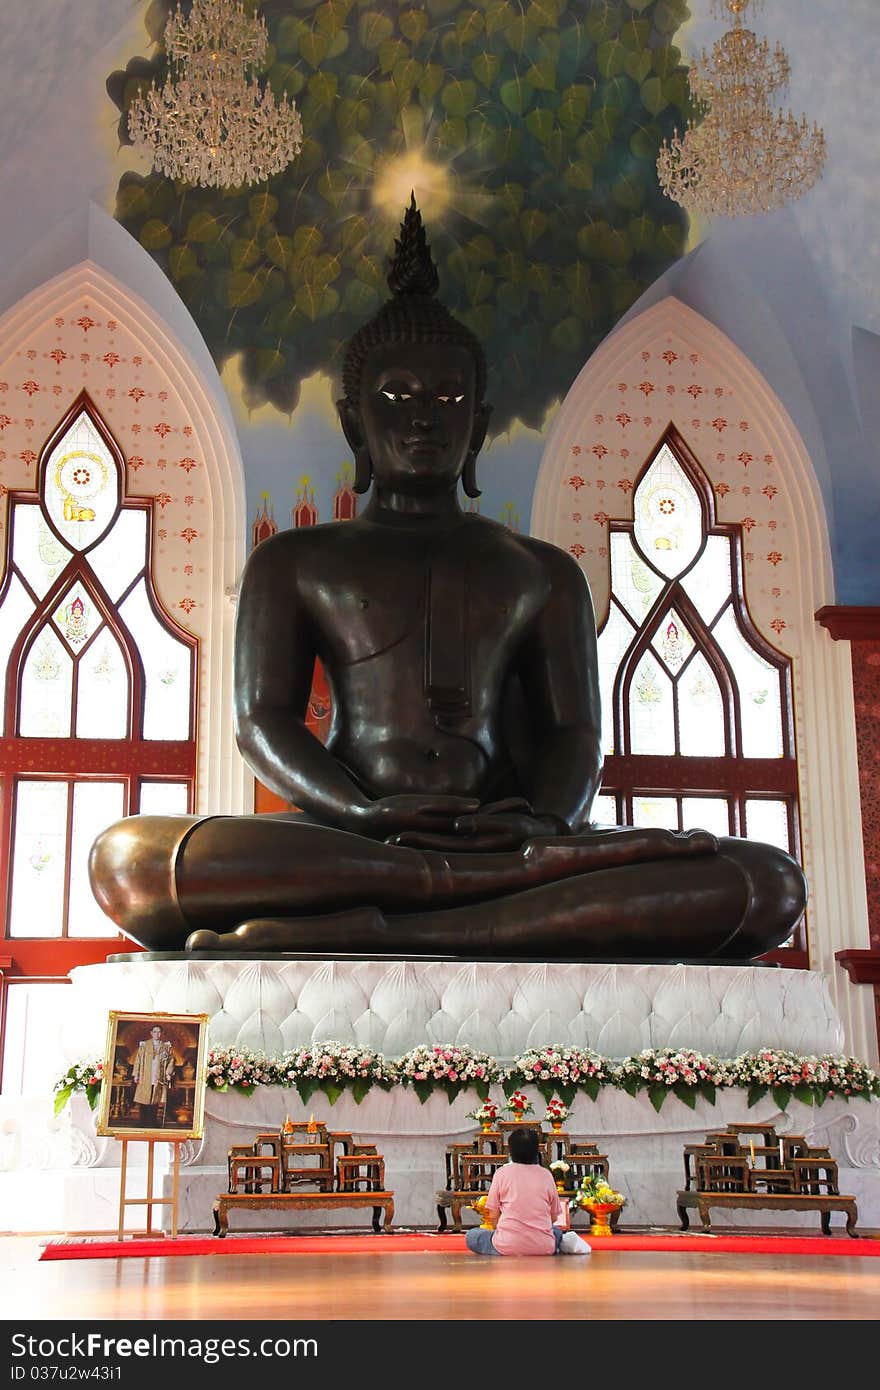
<point>149,1201</point>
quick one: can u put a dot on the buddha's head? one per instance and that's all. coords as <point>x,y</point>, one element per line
<point>414,379</point>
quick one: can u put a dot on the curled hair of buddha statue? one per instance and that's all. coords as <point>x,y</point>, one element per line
<point>413,314</point>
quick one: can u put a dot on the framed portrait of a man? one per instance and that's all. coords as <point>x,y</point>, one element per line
<point>155,1066</point>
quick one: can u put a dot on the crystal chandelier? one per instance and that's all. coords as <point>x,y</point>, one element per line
<point>741,155</point>
<point>212,124</point>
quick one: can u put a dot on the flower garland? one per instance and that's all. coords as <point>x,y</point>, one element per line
<point>334,1067</point>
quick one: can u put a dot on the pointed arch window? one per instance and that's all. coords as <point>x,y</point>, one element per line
<point>97,717</point>
<point>697,709</point>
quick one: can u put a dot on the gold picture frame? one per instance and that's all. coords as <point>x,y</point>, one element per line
<point>155,1072</point>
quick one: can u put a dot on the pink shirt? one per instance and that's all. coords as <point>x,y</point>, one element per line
<point>526,1196</point>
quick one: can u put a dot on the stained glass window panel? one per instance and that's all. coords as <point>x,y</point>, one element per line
<point>605,810</point>
<point>17,608</point>
<point>661,811</point>
<point>38,859</point>
<point>46,686</point>
<point>651,726</point>
<point>77,617</point>
<point>166,666</point>
<point>122,554</point>
<point>672,642</point>
<point>708,584</point>
<point>32,1044</point>
<point>767,821</point>
<point>633,583</point>
<point>700,711</point>
<point>667,515</point>
<point>759,693</point>
<point>102,692</point>
<point>81,485</point>
<point>617,636</point>
<point>705,813</point>
<point>36,551</point>
<point>95,806</point>
<point>164,798</point>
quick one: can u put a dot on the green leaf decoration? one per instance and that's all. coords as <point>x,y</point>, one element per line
<point>486,67</point>
<point>574,105</point>
<point>545,14</point>
<point>782,1095</point>
<point>632,1085</point>
<point>413,24</point>
<point>542,76</point>
<point>314,47</point>
<point>332,1090</point>
<point>245,252</point>
<point>306,1086</point>
<point>515,32</point>
<point>204,227</point>
<point>534,224</point>
<point>653,96</point>
<point>515,95</point>
<point>155,235</point>
<point>510,1084</point>
<point>468,27</point>
<point>686,1094</point>
<point>262,207</point>
<point>407,74</point>
<point>243,287</point>
<point>431,82</point>
<point>289,33</point>
<point>669,15</point>
<point>132,201</point>
<point>546,1090</point>
<point>579,175</point>
<point>482,1089</point>
<point>611,58</point>
<point>62,1097</point>
<point>804,1093</point>
<point>422,1089</point>
<point>374,29</point>
<point>567,1094</point>
<point>459,97</point>
<point>638,66</point>
<point>279,250</point>
<point>392,52</point>
<point>707,1091</point>
<point>590,1087</point>
<point>665,60</point>
<point>182,262</point>
<point>657,1095</point>
<point>755,1094</point>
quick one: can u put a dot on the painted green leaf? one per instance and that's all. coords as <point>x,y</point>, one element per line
<point>534,224</point>
<point>611,58</point>
<point>479,285</point>
<point>330,17</point>
<point>507,145</point>
<point>155,235</point>
<point>512,267</point>
<point>391,52</point>
<point>245,252</point>
<point>431,81</point>
<point>269,362</point>
<point>676,90</point>
<point>539,278</point>
<point>307,241</point>
<point>540,122</point>
<point>638,5</point>
<point>325,268</point>
<point>132,201</point>
<point>545,14</point>
<point>374,28</point>
<point>653,96</point>
<point>641,233</point>
<point>469,26</point>
<point>669,15</point>
<point>369,270</point>
<point>495,17</point>
<point>573,105</point>
<point>665,60</point>
<point>515,95</point>
<point>452,134</point>
<point>628,192</point>
<point>413,24</point>
<point>314,47</point>
<point>407,74</point>
<point>322,87</point>
<point>308,300</point>
<point>289,32</point>
<point>354,231</point>
<point>182,262</point>
<point>511,196</point>
<point>635,33</point>
<point>480,251</point>
<point>262,207</point>
<point>204,226</point>
<point>486,67</point>
<point>353,115</point>
<point>360,299</point>
<point>578,282</point>
<point>542,76</point>
<point>286,77</point>
<point>512,298</point>
<point>638,66</point>
<point>515,32</point>
<point>626,292</point>
<point>579,175</point>
<point>243,287</point>
<point>459,97</point>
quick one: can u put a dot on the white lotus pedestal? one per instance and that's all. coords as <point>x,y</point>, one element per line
<point>60,1176</point>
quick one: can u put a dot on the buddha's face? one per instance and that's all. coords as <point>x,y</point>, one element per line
<point>417,414</point>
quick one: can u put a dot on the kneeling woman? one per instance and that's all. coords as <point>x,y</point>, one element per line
<point>525,1205</point>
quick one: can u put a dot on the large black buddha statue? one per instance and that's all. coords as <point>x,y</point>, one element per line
<point>449,813</point>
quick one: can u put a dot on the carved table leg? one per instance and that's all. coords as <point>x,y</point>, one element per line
<point>221,1219</point>
<point>852,1217</point>
<point>825,1219</point>
<point>704,1216</point>
<point>441,1216</point>
<point>683,1216</point>
<point>456,1215</point>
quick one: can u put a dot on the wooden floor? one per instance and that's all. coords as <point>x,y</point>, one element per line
<point>453,1287</point>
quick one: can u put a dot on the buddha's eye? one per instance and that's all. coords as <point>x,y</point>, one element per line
<point>391,394</point>
<point>450,400</point>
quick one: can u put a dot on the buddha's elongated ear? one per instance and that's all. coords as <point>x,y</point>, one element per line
<point>478,435</point>
<point>352,428</point>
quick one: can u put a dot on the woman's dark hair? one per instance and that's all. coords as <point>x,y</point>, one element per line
<point>523,1145</point>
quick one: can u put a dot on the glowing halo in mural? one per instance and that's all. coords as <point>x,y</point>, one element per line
<point>409,172</point>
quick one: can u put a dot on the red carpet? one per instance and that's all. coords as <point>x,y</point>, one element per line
<point>418,1243</point>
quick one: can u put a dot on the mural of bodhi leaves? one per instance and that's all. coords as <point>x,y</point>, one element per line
<point>529,130</point>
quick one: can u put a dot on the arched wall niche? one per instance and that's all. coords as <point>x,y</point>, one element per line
<point>83,330</point>
<point>669,365</point>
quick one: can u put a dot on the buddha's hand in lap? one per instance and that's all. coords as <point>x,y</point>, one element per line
<point>412,813</point>
<point>495,826</point>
